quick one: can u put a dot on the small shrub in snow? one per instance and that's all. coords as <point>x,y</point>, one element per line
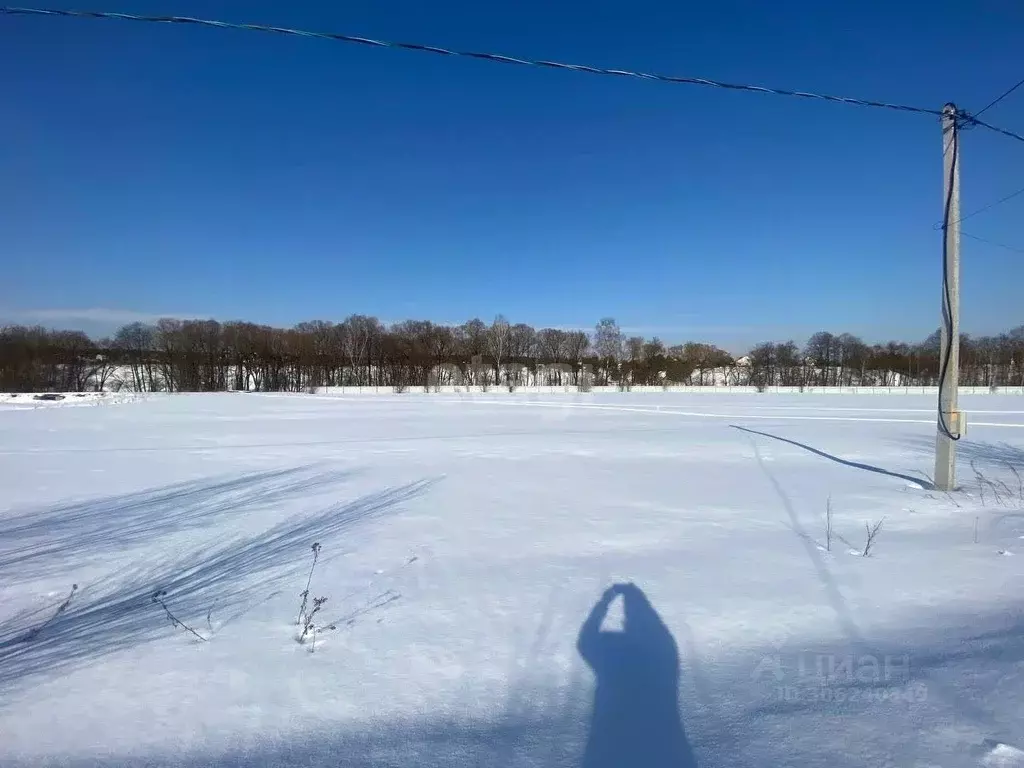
<point>1020,483</point>
<point>828,524</point>
<point>401,388</point>
<point>981,482</point>
<point>872,534</point>
<point>309,628</point>
<point>304,594</point>
<point>175,621</point>
<point>993,486</point>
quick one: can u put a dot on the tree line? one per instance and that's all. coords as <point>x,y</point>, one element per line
<point>208,356</point>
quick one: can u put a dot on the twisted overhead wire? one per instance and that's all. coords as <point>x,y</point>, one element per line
<point>499,58</point>
<point>1000,201</point>
<point>984,208</point>
<point>969,120</point>
<point>999,98</point>
<point>991,242</point>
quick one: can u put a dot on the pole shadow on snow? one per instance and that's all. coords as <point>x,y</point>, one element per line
<point>636,719</point>
<point>925,484</point>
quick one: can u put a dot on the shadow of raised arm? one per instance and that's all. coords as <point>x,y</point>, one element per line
<point>589,641</point>
<point>636,720</point>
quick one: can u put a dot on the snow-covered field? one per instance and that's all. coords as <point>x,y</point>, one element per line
<point>28,400</point>
<point>465,540</point>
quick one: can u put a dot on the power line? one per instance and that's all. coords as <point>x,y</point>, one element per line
<point>1000,201</point>
<point>336,37</point>
<point>993,205</point>
<point>998,99</point>
<point>970,120</point>
<point>965,118</point>
<point>991,242</point>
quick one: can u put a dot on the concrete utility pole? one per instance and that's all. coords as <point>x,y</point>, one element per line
<point>950,424</point>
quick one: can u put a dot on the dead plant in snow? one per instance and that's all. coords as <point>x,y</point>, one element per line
<point>828,524</point>
<point>872,532</point>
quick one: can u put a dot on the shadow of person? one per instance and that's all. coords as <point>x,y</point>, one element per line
<point>636,721</point>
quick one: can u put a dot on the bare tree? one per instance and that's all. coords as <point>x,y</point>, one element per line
<point>608,344</point>
<point>204,355</point>
<point>788,363</point>
<point>360,331</point>
<point>763,359</point>
<point>442,347</point>
<point>852,359</point>
<point>576,345</point>
<point>522,350</point>
<point>101,366</point>
<point>498,336</point>
<point>471,338</point>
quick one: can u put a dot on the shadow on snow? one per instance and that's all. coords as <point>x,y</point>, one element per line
<point>118,611</point>
<point>634,722</point>
<point>925,484</point>
<point>38,542</point>
<point>636,719</point>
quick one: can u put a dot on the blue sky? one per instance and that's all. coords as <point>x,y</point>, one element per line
<point>151,170</point>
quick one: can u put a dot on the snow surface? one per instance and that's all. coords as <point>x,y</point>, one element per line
<point>28,400</point>
<point>466,539</point>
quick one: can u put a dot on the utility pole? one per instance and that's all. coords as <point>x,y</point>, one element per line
<point>950,423</point>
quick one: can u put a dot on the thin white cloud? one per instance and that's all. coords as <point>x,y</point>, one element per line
<point>94,315</point>
<point>660,330</point>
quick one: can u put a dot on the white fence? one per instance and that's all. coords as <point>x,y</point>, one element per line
<point>689,390</point>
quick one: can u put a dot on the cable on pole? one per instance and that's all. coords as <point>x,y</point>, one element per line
<point>495,57</point>
<point>991,242</point>
<point>1000,201</point>
<point>971,120</point>
<point>947,300</point>
<point>996,100</point>
<point>968,119</point>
